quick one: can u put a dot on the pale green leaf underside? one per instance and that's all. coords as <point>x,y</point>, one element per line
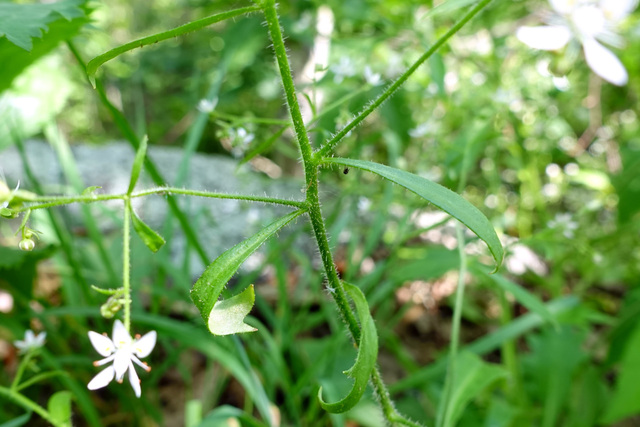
<point>20,23</point>
<point>227,316</point>
<point>207,289</point>
<point>440,196</point>
<point>365,360</point>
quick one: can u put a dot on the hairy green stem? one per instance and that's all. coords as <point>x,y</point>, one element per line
<point>29,405</point>
<point>50,201</point>
<point>21,367</point>
<point>329,145</point>
<point>126,266</point>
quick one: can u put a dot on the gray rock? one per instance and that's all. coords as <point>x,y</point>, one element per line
<point>219,223</point>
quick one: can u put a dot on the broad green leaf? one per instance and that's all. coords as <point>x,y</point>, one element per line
<point>89,191</point>
<point>60,408</point>
<point>138,162</point>
<point>472,376</point>
<point>365,360</point>
<point>151,238</point>
<point>524,297</point>
<point>442,197</point>
<point>20,23</point>
<point>624,401</point>
<point>208,287</point>
<point>96,62</point>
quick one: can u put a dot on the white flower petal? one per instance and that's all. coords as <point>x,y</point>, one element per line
<point>544,38</point>
<point>40,339</point>
<point>144,345</point>
<point>563,7</point>
<point>134,380</point>
<point>604,63</point>
<point>103,378</point>
<point>102,344</point>
<point>29,336</point>
<point>121,336</point>
<point>121,363</point>
<point>617,10</point>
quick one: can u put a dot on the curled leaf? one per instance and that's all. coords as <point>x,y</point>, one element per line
<point>365,360</point>
<point>225,318</point>
<point>152,239</point>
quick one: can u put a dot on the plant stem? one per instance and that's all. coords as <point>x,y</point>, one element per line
<point>444,408</point>
<point>328,146</point>
<point>50,201</point>
<point>28,404</point>
<point>126,259</point>
<point>21,367</point>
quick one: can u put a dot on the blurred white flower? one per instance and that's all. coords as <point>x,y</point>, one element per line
<point>206,105</point>
<point>589,22</point>
<point>123,351</point>
<point>565,223</point>
<point>374,79</point>
<point>521,258</point>
<point>343,69</point>
<point>31,341</point>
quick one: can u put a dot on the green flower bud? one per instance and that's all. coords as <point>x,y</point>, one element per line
<point>27,245</point>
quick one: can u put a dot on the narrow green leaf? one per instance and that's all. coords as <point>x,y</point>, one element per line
<point>440,196</point>
<point>365,360</point>
<point>208,287</point>
<point>18,421</point>
<point>624,401</point>
<point>448,7</point>
<point>60,408</point>
<point>89,191</point>
<point>524,297</point>
<point>96,62</point>
<point>472,376</point>
<point>152,239</point>
<point>138,162</point>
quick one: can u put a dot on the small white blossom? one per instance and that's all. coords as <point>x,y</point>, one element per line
<point>374,79</point>
<point>343,69</point>
<point>565,223</point>
<point>590,22</point>
<point>123,351</point>
<point>207,106</point>
<point>31,341</point>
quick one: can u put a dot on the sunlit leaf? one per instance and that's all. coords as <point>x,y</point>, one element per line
<point>207,289</point>
<point>138,162</point>
<point>89,191</point>
<point>20,23</point>
<point>440,196</point>
<point>227,316</point>
<point>366,358</point>
<point>60,408</point>
<point>150,237</point>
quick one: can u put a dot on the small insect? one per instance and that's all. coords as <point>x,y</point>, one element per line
<point>345,171</point>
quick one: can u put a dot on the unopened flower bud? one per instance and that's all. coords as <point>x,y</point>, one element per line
<point>27,245</point>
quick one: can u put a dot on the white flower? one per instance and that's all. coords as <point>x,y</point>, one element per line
<point>343,69</point>
<point>590,22</point>
<point>374,79</point>
<point>123,351</point>
<point>31,341</point>
<point>565,223</point>
<point>207,106</point>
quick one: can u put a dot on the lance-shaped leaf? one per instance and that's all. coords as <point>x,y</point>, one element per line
<point>151,238</point>
<point>96,62</point>
<point>366,359</point>
<point>227,320</point>
<point>138,162</point>
<point>440,196</point>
